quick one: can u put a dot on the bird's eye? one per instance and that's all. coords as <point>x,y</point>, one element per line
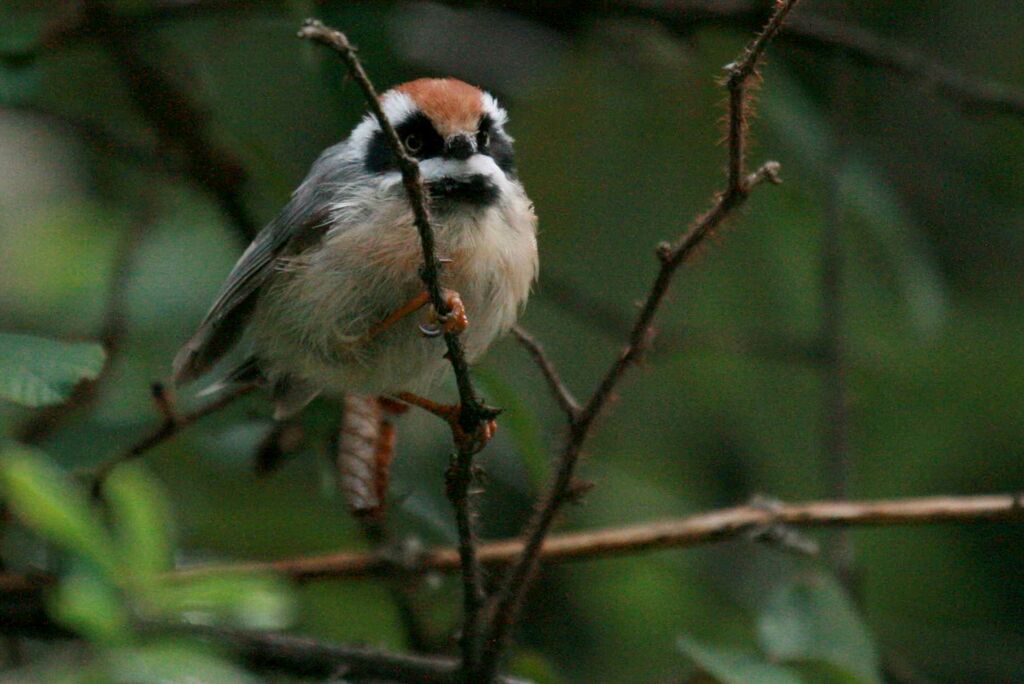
<point>413,143</point>
<point>483,139</point>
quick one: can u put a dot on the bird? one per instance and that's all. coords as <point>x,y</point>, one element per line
<point>328,298</point>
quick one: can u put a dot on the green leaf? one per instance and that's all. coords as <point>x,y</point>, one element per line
<point>813,620</point>
<point>92,608</point>
<point>172,663</point>
<point>35,371</point>
<point>252,601</point>
<point>45,499</point>
<point>141,519</point>
<point>730,666</point>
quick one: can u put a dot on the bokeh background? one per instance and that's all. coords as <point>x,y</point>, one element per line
<point>617,121</point>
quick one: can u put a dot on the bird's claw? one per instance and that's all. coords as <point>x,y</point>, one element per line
<point>455,321</point>
<point>430,330</point>
<point>474,442</point>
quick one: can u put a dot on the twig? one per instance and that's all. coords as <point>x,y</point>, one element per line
<point>694,530</point>
<point>508,600</point>
<point>562,393</point>
<point>862,45</point>
<point>678,533</point>
<point>472,413</point>
<point>262,651</point>
<point>176,119</point>
<point>172,424</point>
<point>613,323</point>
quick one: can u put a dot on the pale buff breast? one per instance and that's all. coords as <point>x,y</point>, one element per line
<point>326,299</point>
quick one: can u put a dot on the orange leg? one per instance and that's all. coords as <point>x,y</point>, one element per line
<point>455,321</point>
<point>451,414</point>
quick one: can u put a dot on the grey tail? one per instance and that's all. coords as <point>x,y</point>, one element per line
<point>291,396</point>
<point>214,338</point>
<point>246,373</point>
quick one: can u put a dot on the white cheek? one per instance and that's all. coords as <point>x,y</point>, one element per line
<point>436,168</point>
<point>477,165</point>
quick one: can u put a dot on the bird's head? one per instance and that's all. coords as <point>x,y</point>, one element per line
<point>454,130</point>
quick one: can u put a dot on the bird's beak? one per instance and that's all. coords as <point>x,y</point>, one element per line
<point>459,146</point>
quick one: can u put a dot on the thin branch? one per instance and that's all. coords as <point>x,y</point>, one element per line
<point>173,115</point>
<point>172,424</point>
<point>612,322</point>
<point>862,45</point>
<point>25,615</point>
<point>508,600</point>
<point>473,413</point>
<point>678,533</point>
<point>561,392</point>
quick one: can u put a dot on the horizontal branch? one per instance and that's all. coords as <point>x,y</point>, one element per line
<point>24,614</point>
<point>694,530</point>
<point>295,655</point>
<point>975,94</point>
<point>684,532</point>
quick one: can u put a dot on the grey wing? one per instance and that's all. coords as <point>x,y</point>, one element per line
<point>301,223</point>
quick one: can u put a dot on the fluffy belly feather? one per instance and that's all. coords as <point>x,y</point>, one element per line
<point>312,319</point>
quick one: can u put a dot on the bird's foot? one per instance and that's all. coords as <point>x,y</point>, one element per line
<point>455,321</point>
<point>466,441</point>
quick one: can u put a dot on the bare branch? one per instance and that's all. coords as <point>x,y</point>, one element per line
<point>508,600</point>
<point>262,651</point>
<point>678,533</point>
<point>172,424</point>
<point>862,45</point>
<point>472,413</point>
<point>612,322</point>
<point>695,530</point>
<point>563,395</point>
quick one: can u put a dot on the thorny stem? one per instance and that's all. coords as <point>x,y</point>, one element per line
<point>507,602</point>
<point>472,412</point>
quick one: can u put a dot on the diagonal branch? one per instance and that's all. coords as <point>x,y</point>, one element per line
<point>170,111</point>
<point>473,413</point>
<point>562,393</point>
<point>507,602</point>
<point>171,425</point>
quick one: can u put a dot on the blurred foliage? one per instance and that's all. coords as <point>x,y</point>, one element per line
<point>114,582</point>
<point>616,126</point>
<point>36,372</point>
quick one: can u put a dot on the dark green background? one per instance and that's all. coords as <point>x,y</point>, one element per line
<point>617,124</point>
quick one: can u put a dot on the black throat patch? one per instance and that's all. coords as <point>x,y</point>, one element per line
<point>476,191</point>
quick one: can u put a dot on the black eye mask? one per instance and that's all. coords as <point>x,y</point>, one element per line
<point>426,142</point>
<point>418,129</point>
